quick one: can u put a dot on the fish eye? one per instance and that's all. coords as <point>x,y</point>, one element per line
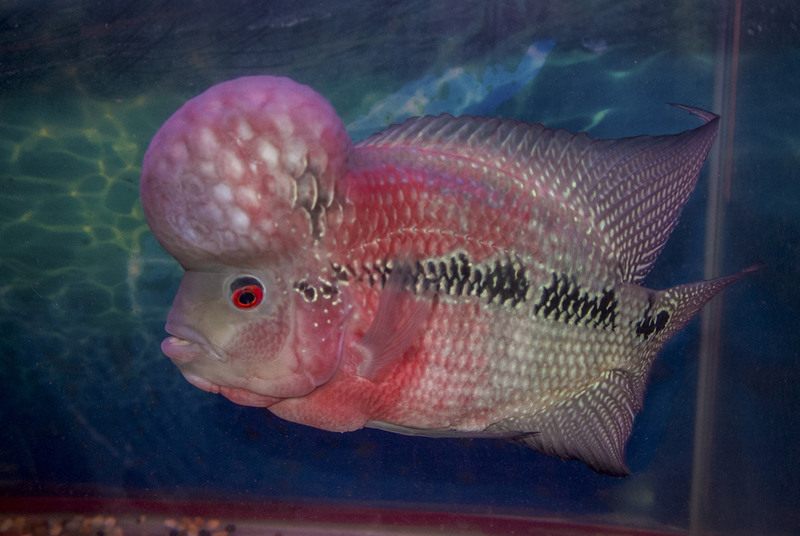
<point>247,292</point>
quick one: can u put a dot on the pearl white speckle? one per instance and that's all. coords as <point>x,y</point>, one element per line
<point>239,220</point>
<point>318,160</point>
<point>207,142</point>
<point>284,125</point>
<point>257,237</point>
<point>294,157</point>
<point>244,130</point>
<point>231,166</point>
<point>187,231</point>
<point>206,169</point>
<point>268,154</point>
<point>214,213</point>
<point>223,193</point>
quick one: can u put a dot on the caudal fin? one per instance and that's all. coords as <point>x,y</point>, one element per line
<point>674,307</point>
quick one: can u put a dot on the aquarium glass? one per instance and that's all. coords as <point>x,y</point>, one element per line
<point>89,406</point>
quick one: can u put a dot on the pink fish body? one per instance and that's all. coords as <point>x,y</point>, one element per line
<point>447,276</point>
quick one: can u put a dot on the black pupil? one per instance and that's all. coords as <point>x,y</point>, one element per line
<point>243,295</point>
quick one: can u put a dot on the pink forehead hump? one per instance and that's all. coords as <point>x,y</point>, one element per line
<point>237,172</point>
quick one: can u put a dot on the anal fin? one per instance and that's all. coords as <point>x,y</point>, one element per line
<point>398,324</point>
<point>592,426</point>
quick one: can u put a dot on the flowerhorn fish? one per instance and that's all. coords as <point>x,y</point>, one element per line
<point>446,277</point>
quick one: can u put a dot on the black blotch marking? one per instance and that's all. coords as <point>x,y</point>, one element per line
<point>341,273</point>
<point>565,300</point>
<point>322,289</point>
<point>502,281</point>
<point>650,325</point>
<point>661,320</point>
<point>308,291</point>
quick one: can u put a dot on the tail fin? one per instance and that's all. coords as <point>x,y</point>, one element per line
<point>675,306</point>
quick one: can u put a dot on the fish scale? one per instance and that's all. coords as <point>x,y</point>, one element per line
<point>489,228</point>
<point>448,276</point>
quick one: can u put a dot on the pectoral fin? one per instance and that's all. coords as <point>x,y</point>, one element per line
<point>398,324</point>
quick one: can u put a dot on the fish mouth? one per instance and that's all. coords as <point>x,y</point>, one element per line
<point>184,345</point>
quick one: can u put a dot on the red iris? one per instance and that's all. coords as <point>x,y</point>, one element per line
<point>248,296</point>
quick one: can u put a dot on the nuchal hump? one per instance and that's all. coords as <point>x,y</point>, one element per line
<point>244,170</point>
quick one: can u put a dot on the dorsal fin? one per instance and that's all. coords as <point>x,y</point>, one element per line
<point>632,188</point>
<point>644,183</point>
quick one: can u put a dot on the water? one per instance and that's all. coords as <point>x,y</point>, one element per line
<point>91,410</point>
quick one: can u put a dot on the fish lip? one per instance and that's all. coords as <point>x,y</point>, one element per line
<point>186,342</point>
<point>181,351</point>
